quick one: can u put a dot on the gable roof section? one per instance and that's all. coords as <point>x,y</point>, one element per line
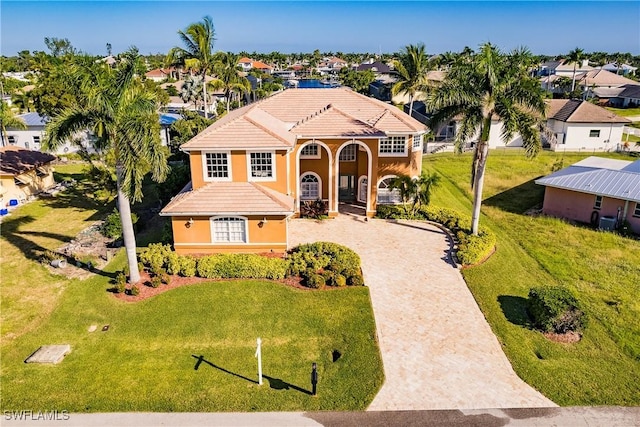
<point>578,111</point>
<point>275,122</point>
<point>33,119</point>
<point>601,77</point>
<point>15,161</point>
<point>585,177</point>
<point>229,198</point>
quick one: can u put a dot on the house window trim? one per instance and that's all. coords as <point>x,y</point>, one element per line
<point>12,139</point>
<point>205,173</point>
<point>302,175</point>
<point>378,191</point>
<point>418,146</point>
<point>393,153</point>
<point>244,219</point>
<point>318,154</point>
<point>271,178</point>
<point>594,133</point>
<point>349,159</point>
<point>636,211</point>
<point>597,203</point>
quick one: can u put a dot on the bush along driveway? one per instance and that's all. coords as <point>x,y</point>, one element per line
<point>437,349</point>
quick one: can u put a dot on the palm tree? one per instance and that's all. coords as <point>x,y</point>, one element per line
<point>8,119</point>
<point>228,76</point>
<point>490,86</point>
<point>198,39</point>
<point>191,90</point>
<point>575,56</point>
<point>123,113</point>
<point>412,69</point>
<point>406,187</point>
<point>424,187</point>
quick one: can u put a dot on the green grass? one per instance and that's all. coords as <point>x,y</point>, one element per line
<point>601,268</point>
<point>148,359</point>
<point>625,112</point>
<point>29,291</point>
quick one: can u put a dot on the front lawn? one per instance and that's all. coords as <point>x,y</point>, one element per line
<point>192,350</point>
<point>625,112</point>
<point>601,268</point>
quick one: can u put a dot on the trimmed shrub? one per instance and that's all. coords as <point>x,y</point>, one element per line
<point>473,249</point>
<point>155,256</point>
<point>121,283</point>
<point>172,261</point>
<point>355,280</point>
<point>156,281</point>
<point>391,212</point>
<point>340,280</point>
<point>241,266</point>
<point>187,265</point>
<point>329,277</point>
<point>135,290</point>
<point>316,281</point>
<point>555,309</point>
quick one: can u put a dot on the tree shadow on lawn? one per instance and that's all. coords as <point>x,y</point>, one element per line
<point>274,383</point>
<point>31,250</point>
<point>518,199</point>
<point>515,310</point>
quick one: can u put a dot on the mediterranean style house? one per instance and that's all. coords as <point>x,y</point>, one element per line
<point>254,168</point>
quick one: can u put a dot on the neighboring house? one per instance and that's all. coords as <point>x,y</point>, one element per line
<point>565,69</point>
<point>603,192</point>
<point>253,168</point>
<point>582,126</point>
<point>624,69</point>
<point>161,74</point>
<point>248,64</point>
<point>23,173</point>
<point>377,67</point>
<point>599,78</point>
<point>629,97</point>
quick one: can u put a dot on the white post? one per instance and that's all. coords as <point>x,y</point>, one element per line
<point>259,356</point>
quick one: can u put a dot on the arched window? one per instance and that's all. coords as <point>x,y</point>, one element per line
<point>310,186</point>
<point>387,195</point>
<point>229,230</point>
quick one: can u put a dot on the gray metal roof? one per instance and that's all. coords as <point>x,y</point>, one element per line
<point>33,119</point>
<point>617,183</point>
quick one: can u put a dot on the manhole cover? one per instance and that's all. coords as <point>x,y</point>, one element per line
<point>49,354</point>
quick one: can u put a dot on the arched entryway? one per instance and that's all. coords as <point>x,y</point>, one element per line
<point>353,164</point>
<point>314,172</point>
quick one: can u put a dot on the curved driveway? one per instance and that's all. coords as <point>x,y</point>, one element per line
<point>437,348</point>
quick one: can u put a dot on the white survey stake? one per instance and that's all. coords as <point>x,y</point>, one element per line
<point>259,356</point>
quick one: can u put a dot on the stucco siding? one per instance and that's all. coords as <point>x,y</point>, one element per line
<point>578,136</point>
<point>261,236</point>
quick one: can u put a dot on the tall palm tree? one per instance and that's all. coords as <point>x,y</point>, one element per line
<point>8,119</point>
<point>191,90</point>
<point>197,54</point>
<point>124,115</point>
<point>412,69</point>
<point>490,86</point>
<point>575,56</point>
<point>228,76</point>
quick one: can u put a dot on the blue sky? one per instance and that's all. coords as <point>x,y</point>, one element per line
<point>551,28</point>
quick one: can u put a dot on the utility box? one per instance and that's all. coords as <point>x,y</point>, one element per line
<point>607,223</point>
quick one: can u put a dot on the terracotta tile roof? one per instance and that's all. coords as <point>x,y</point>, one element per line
<point>16,160</point>
<point>260,65</point>
<point>605,78</point>
<point>578,111</point>
<point>244,60</point>
<point>229,198</point>
<point>275,122</point>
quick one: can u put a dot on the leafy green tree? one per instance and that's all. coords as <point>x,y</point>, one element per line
<point>59,47</point>
<point>8,119</point>
<point>198,39</point>
<point>124,115</point>
<point>491,85</point>
<point>189,126</point>
<point>357,80</point>
<point>576,56</point>
<point>412,68</point>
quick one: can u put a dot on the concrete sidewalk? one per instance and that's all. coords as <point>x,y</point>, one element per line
<point>531,417</point>
<point>437,348</point>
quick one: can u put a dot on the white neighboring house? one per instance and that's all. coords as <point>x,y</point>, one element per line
<point>582,126</point>
<point>31,138</point>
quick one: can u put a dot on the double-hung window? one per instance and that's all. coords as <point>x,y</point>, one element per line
<point>393,146</point>
<point>597,204</point>
<point>229,230</point>
<point>261,166</point>
<point>217,167</point>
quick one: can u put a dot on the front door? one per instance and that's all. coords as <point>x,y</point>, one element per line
<point>347,188</point>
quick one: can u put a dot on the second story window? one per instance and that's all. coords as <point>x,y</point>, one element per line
<point>217,166</point>
<point>261,166</point>
<point>348,153</point>
<point>310,151</point>
<point>393,146</point>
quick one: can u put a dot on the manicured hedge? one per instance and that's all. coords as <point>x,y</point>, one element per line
<point>335,264</point>
<point>241,266</point>
<point>555,309</point>
<point>471,249</point>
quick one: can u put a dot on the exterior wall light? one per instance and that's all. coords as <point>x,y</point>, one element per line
<point>262,222</point>
<point>189,223</point>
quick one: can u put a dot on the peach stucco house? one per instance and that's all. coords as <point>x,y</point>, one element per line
<point>252,169</point>
<point>595,188</point>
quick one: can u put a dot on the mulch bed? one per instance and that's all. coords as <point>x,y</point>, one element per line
<point>147,291</point>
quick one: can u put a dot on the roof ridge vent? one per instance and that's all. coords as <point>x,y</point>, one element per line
<point>314,114</point>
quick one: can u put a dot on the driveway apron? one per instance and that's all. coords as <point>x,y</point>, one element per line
<point>437,348</point>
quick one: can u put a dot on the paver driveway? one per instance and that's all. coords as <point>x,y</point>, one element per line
<point>437,348</point>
